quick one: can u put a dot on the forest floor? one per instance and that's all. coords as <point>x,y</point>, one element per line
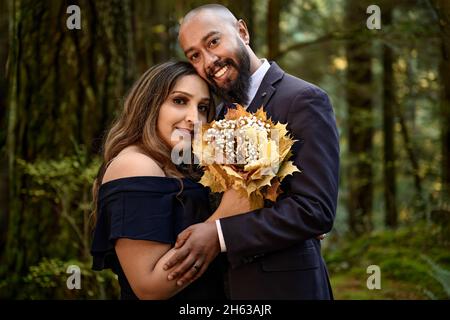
<point>414,263</point>
<point>348,287</point>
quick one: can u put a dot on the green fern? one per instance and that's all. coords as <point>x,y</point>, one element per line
<point>439,274</point>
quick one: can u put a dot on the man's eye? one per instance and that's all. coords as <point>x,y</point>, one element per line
<point>194,57</point>
<point>179,101</point>
<point>214,42</point>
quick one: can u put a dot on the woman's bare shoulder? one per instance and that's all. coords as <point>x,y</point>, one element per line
<point>132,163</point>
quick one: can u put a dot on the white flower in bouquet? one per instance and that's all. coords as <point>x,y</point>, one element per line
<point>246,152</point>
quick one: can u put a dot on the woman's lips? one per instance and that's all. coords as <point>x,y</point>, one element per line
<point>185,131</point>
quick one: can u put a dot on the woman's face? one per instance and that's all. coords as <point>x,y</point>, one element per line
<point>186,105</point>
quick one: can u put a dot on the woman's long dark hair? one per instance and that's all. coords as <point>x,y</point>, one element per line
<point>137,123</point>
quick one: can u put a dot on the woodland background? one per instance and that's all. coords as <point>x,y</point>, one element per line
<point>60,90</point>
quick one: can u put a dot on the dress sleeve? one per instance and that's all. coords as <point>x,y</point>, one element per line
<point>138,215</point>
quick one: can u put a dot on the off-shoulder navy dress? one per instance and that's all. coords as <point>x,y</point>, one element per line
<point>152,208</point>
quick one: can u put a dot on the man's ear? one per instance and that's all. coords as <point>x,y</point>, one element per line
<point>243,31</point>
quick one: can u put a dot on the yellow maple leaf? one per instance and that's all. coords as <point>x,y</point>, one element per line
<point>234,114</point>
<point>273,191</point>
<point>286,169</point>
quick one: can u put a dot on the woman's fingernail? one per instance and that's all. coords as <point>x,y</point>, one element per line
<point>180,283</point>
<point>170,277</point>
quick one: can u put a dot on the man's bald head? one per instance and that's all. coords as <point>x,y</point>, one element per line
<point>217,45</point>
<point>221,12</point>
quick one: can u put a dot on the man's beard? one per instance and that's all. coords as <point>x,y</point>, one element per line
<point>237,92</point>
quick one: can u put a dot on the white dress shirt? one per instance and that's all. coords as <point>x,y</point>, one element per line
<point>255,81</point>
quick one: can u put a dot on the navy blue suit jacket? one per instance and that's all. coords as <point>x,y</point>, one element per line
<point>273,252</point>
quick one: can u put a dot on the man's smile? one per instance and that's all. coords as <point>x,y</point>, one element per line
<point>218,74</point>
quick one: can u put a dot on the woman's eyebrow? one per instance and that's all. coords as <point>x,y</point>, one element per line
<point>182,92</point>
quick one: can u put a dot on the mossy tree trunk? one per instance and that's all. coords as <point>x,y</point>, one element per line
<point>360,123</point>
<point>389,165</point>
<point>64,88</point>
<point>3,122</point>
<point>443,9</point>
<point>273,28</point>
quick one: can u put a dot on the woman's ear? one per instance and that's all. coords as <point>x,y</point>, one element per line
<point>243,32</point>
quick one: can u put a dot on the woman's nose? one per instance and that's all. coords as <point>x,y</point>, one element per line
<point>192,114</point>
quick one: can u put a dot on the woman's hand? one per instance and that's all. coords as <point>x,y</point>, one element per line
<point>232,204</point>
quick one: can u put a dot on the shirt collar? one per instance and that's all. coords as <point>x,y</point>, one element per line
<point>256,79</point>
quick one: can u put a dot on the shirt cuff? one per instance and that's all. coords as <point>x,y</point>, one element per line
<point>223,248</point>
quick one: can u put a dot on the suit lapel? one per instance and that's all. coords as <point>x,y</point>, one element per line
<point>266,89</point>
<point>220,111</point>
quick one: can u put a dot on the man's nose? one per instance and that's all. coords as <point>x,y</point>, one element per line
<point>210,60</point>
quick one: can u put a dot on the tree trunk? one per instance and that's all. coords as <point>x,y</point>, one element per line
<point>443,9</point>
<point>389,165</point>
<point>65,86</point>
<point>3,123</point>
<point>162,38</point>
<point>273,29</point>
<point>360,125</point>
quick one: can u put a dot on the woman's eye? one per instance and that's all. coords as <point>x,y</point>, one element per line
<point>203,108</point>
<point>179,101</point>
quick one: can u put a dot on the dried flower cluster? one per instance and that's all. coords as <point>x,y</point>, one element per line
<point>246,152</point>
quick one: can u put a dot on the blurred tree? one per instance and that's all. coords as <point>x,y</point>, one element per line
<point>65,86</point>
<point>442,8</point>
<point>3,122</point>
<point>389,164</point>
<point>273,29</point>
<point>360,122</point>
<point>154,27</point>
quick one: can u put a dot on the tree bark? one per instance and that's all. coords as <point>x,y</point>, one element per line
<point>3,123</point>
<point>442,7</point>
<point>273,29</point>
<point>360,125</point>
<point>389,165</point>
<point>65,87</point>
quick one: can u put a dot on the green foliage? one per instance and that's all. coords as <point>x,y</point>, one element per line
<point>48,280</point>
<point>65,183</point>
<point>404,273</point>
<point>57,203</point>
<point>57,179</point>
<point>439,274</point>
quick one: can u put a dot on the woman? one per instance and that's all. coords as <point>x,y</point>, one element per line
<point>143,200</point>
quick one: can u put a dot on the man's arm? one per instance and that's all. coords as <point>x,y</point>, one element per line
<point>309,207</point>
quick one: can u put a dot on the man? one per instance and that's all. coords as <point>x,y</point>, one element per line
<point>274,252</point>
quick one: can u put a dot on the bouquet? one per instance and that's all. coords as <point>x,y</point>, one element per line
<point>246,152</point>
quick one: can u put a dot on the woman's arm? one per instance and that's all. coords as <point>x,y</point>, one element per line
<point>142,262</point>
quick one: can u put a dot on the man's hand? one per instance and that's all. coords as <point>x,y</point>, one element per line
<point>197,246</point>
